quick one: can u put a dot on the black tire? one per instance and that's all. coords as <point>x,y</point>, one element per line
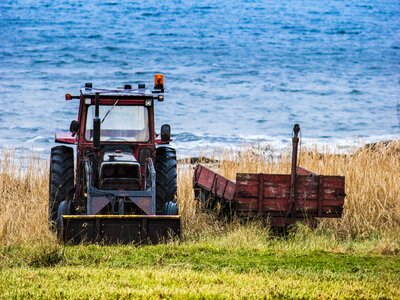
<point>170,208</point>
<point>64,208</point>
<point>61,181</point>
<point>166,177</point>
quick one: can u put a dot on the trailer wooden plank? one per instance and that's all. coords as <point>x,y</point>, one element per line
<point>303,171</point>
<point>250,208</point>
<point>205,177</point>
<point>212,182</point>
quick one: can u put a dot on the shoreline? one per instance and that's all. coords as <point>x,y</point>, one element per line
<point>203,152</point>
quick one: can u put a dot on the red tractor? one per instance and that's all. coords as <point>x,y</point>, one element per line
<point>122,186</point>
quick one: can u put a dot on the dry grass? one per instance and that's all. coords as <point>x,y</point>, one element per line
<point>24,196</point>
<point>372,206</point>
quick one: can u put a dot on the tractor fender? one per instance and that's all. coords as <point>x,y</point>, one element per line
<point>65,138</point>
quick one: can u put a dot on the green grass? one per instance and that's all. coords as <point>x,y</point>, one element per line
<point>203,269</point>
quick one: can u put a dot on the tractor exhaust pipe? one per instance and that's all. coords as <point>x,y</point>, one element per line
<point>96,124</point>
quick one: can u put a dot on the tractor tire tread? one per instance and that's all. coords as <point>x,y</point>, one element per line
<point>166,176</point>
<point>61,183</point>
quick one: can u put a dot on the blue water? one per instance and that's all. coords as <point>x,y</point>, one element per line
<point>236,71</point>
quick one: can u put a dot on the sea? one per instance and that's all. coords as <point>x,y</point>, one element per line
<point>237,72</point>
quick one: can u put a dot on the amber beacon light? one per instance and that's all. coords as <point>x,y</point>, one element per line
<point>158,81</point>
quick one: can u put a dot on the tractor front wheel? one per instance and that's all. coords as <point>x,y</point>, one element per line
<point>166,177</point>
<point>170,208</point>
<point>61,181</point>
<point>63,209</point>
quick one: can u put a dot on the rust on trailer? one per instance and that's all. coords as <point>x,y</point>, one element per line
<point>314,196</point>
<point>282,198</point>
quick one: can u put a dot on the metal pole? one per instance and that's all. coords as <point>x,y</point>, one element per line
<point>295,140</point>
<point>96,124</point>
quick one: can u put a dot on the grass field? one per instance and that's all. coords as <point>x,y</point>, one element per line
<point>203,269</point>
<point>357,256</point>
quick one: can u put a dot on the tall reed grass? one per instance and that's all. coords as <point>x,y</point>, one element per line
<point>23,200</point>
<point>372,204</point>
<point>372,177</point>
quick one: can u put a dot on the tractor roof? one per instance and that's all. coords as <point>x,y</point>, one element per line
<point>119,92</point>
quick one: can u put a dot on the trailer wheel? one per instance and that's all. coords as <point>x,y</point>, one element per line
<point>166,177</point>
<point>170,208</point>
<point>61,181</point>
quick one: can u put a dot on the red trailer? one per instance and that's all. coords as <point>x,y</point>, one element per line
<point>281,198</point>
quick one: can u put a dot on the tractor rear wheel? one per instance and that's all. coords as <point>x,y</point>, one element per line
<point>166,177</point>
<point>61,181</point>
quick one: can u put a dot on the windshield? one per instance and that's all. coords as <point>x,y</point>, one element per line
<point>119,123</point>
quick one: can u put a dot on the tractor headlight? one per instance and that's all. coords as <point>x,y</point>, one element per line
<point>148,102</point>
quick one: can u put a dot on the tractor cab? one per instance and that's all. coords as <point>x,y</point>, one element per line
<point>119,123</point>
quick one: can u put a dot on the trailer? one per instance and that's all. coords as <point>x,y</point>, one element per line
<point>282,199</point>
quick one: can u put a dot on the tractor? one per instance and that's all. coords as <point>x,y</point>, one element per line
<point>121,187</point>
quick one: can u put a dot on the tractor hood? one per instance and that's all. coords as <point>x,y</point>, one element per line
<point>119,170</point>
